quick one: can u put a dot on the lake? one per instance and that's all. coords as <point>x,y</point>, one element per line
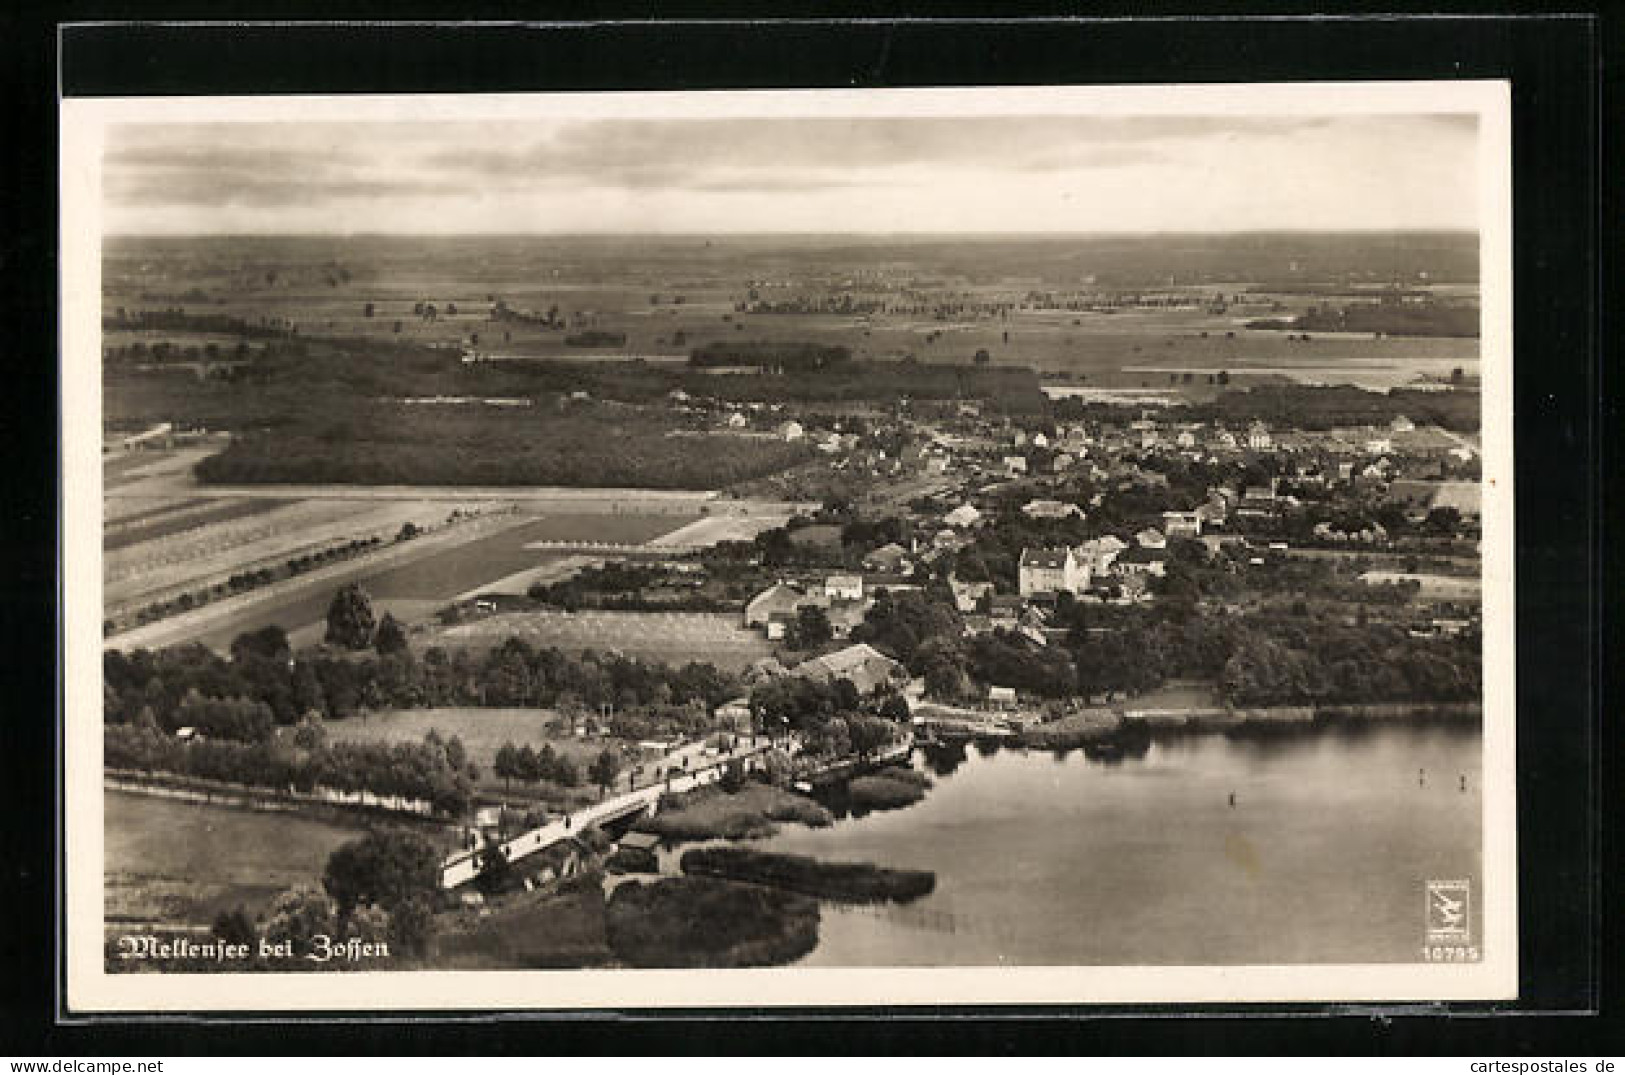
<point>1046,859</point>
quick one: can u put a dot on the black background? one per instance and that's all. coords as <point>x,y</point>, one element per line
<point>1562,459</point>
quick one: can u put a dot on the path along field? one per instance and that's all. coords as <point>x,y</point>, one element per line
<point>414,586</point>
<point>182,862</point>
<point>150,501</point>
<point>667,637</point>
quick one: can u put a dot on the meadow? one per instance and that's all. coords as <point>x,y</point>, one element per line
<point>666,637</point>
<point>483,731</point>
<point>184,862</point>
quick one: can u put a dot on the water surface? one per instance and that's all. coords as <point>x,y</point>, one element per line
<point>1047,859</point>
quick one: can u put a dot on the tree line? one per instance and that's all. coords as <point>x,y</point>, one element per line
<point>180,683</point>
<point>1260,657</point>
<point>433,772</point>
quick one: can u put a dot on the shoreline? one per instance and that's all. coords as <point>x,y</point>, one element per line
<point>1115,727</point>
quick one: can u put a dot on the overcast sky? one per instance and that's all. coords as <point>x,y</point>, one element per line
<point>828,174</point>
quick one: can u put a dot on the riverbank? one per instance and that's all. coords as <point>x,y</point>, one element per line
<point>1116,728</point>
<point>355,808</point>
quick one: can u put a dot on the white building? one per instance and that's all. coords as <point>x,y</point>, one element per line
<point>1049,571</point>
<point>844,587</point>
<point>1049,509</point>
<point>963,516</point>
<point>1098,554</point>
<point>1182,524</point>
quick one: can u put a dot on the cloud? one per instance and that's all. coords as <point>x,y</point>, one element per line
<point>691,172</point>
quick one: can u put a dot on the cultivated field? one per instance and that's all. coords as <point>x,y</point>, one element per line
<point>201,555</point>
<point>668,295</point>
<point>667,637</point>
<point>714,529</point>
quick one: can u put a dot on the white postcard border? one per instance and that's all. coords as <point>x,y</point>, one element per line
<point>89,989</point>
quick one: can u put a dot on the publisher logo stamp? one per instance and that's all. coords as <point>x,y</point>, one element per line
<point>1449,912</point>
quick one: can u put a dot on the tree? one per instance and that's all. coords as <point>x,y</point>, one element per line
<point>370,924</point>
<point>604,769</point>
<point>391,637</point>
<point>1443,520</point>
<point>456,753</point>
<point>350,619</point>
<point>895,709</point>
<point>267,644</point>
<point>528,765</point>
<point>506,765</point>
<point>309,733</point>
<point>869,734</point>
<point>410,925</point>
<point>384,867</point>
<point>235,927</point>
<point>566,773</point>
<point>299,915</point>
<point>812,627</point>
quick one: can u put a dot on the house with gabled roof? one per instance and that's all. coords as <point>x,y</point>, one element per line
<point>862,665</point>
<point>1051,571</point>
<point>890,557</point>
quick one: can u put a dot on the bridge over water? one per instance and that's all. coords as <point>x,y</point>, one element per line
<point>462,867</point>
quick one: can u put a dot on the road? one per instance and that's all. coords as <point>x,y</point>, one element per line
<point>462,866</point>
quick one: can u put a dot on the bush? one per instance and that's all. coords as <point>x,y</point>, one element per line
<point>887,790</point>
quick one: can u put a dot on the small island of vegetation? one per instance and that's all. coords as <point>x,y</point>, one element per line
<point>847,882</point>
<point>888,789</point>
<point>749,813</point>
<point>703,922</point>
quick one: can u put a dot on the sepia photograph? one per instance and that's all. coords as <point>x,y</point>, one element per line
<point>1042,545</point>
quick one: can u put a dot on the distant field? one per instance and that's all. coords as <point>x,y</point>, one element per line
<point>184,862</point>
<point>621,528</point>
<point>287,528</point>
<point>156,511</point>
<point>162,524</point>
<point>667,637</point>
<point>447,574</point>
<point>710,531</point>
<point>415,586</point>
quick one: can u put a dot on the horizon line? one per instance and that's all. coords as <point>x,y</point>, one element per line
<point>979,234</point>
